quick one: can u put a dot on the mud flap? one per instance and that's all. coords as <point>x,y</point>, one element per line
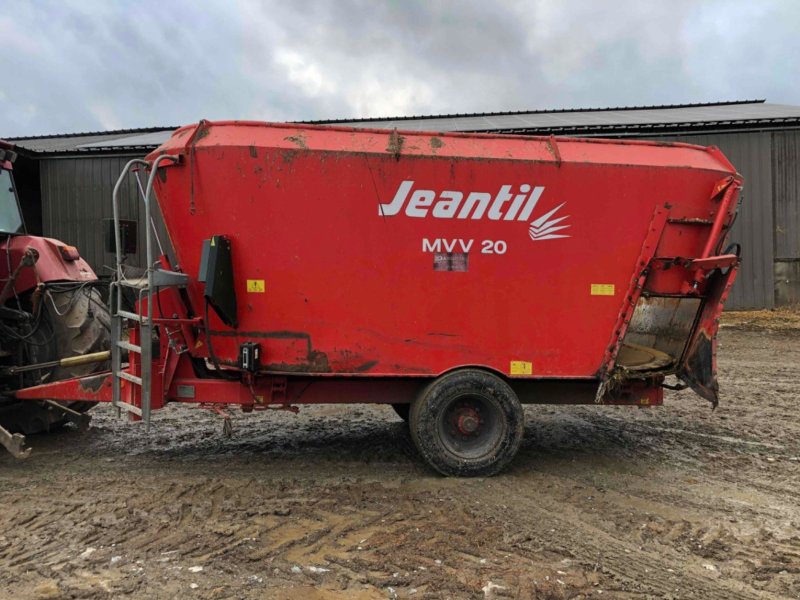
<point>699,366</point>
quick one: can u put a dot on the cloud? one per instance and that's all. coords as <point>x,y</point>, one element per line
<point>92,65</point>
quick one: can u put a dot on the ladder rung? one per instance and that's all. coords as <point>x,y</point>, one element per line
<point>129,407</point>
<point>129,377</point>
<point>130,347</point>
<point>131,316</point>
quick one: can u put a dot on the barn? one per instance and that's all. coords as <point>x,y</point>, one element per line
<point>65,180</point>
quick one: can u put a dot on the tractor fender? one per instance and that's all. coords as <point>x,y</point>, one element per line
<point>56,261</point>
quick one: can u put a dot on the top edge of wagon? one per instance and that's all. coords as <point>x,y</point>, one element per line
<point>477,146</point>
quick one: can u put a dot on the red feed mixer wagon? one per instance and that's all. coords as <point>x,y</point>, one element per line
<point>452,276</point>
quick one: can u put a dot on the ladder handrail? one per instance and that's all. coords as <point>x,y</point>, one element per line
<point>115,208</point>
<point>115,300</point>
<point>148,237</point>
<point>145,321</point>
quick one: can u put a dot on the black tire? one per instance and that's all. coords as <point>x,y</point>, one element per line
<point>73,323</point>
<point>402,410</point>
<point>467,423</point>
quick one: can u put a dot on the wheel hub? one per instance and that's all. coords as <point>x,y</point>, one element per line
<point>468,421</point>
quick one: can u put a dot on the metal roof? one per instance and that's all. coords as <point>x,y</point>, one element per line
<point>741,115</point>
<point>151,139</point>
<point>95,140</point>
<point>644,120</point>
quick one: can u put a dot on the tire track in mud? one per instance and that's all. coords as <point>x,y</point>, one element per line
<point>333,502</point>
<point>367,539</point>
<point>633,567</point>
<point>321,537</point>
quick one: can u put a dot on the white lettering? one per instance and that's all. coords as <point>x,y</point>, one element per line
<point>477,200</point>
<point>506,204</point>
<point>502,197</point>
<point>447,207</point>
<point>531,204</point>
<point>435,246</point>
<point>448,246</point>
<point>420,200</point>
<point>391,209</point>
<point>517,203</point>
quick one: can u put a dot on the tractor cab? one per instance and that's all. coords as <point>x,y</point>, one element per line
<point>10,213</point>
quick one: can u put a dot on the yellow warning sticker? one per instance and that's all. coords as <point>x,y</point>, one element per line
<point>521,367</point>
<point>255,286</point>
<point>602,289</point>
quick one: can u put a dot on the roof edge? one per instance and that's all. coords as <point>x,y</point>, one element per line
<point>88,133</point>
<point>533,112</point>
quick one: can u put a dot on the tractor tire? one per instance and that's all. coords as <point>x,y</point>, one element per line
<point>467,423</point>
<point>72,323</point>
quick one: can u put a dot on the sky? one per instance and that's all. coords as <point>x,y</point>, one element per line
<point>71,66</point>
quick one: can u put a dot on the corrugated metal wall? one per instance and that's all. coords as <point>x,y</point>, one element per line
<point>76,197</point>
<point>786,181</point>
<point>751,154</point>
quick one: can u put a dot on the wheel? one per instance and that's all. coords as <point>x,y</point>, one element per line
<point>73,322</point>
<point>402,410</point>
<point>467,423</point>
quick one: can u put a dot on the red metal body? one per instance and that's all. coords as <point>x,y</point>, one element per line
<point>395,257</point>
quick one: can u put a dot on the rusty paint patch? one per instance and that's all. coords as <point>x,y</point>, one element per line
<point>317,362</point>
<point>203,129</point>
<point>693,221</point>
<point>288,156</point>
<point>410,369</point>
<point>366,366</point>
<point>395,145</point>
<point>94,383</point>
<point>253,152</point>
<point>552,147</point>
<point>436,143</point>
<point>298,140</point>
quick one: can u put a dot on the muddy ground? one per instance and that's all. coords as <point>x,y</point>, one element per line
<point>602,502</point>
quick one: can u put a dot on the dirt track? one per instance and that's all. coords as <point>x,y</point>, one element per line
<point>606,502</point>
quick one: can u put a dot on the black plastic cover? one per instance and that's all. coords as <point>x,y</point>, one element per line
<point>250,356</point>
<point>216,270</point>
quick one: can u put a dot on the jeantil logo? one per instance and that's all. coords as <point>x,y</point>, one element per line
<point>510,203</point>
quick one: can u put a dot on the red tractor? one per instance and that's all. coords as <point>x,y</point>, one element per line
<point>54,323</point>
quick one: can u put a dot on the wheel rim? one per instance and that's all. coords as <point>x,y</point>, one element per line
<point>470,426</point>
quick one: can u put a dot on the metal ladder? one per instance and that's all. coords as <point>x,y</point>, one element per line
<point>145,286</point>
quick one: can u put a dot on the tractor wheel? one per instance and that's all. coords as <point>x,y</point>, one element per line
<point>467,423</point>
<point>402,410</point>
<point>72,323</point>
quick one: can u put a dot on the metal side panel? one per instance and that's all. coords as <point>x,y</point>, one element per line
<point>699,368</point>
